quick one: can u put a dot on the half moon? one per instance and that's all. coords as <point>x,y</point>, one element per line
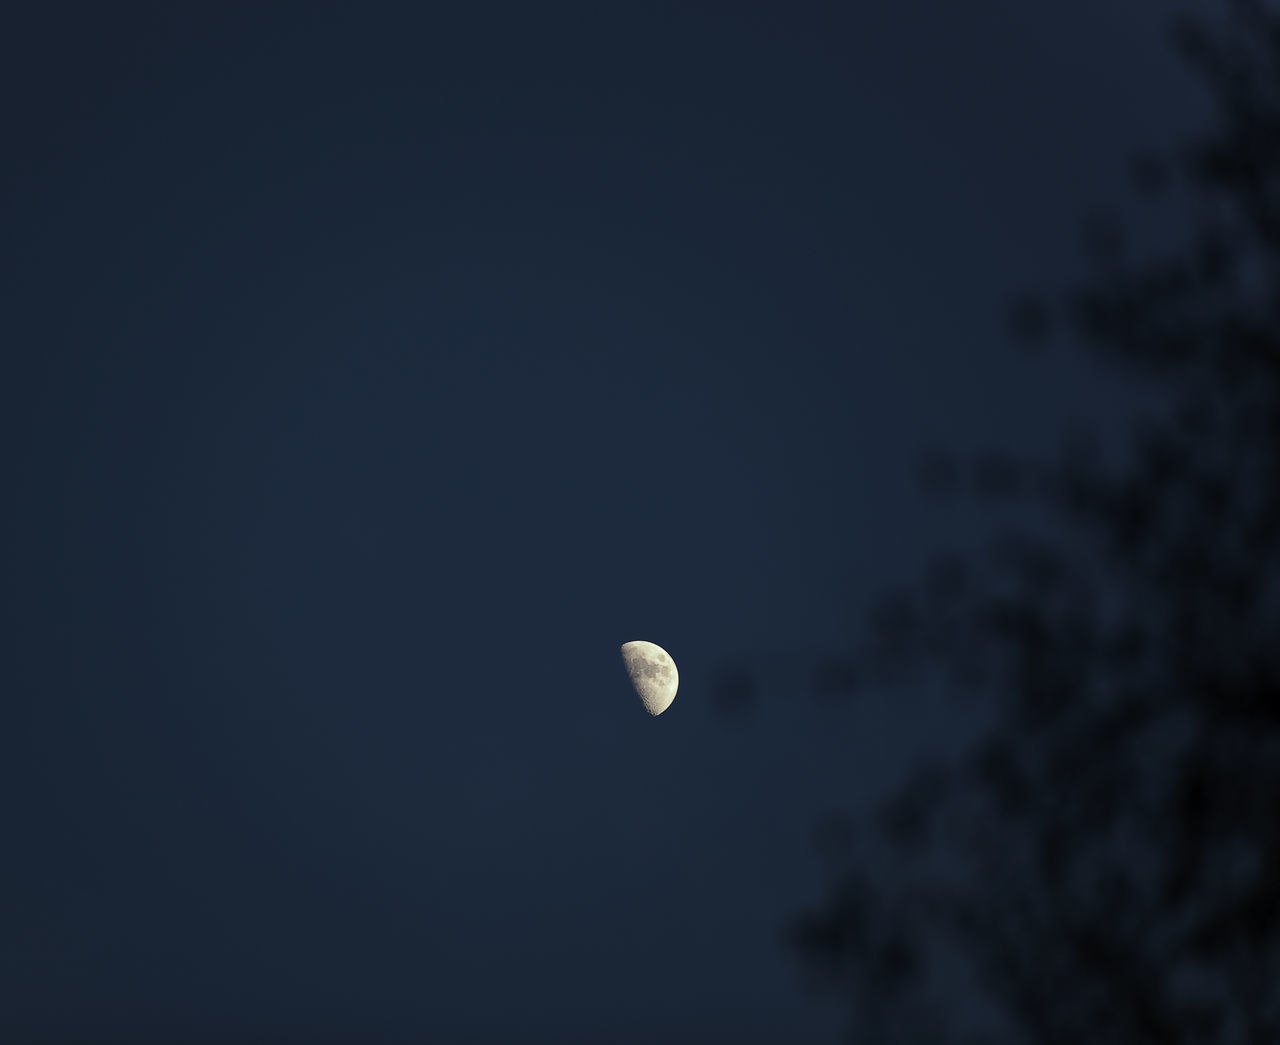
<point>653,674</point>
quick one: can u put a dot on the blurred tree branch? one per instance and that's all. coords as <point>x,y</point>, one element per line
<point>1106,866</point>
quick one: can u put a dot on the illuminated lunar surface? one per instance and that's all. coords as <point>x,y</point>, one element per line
<point>653,673</point>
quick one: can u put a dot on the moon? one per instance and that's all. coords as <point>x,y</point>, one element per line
<point>653,673</point>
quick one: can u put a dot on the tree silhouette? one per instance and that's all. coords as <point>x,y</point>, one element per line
<point>1105,865</point>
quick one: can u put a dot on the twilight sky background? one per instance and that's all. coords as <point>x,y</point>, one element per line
<point>372,372</point>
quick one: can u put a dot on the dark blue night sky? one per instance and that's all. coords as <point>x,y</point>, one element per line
<point>372,371</point>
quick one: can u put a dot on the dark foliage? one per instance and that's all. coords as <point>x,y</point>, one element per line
<point>1106,866</point>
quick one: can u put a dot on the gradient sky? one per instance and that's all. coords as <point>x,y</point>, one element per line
<point>373,372</point>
